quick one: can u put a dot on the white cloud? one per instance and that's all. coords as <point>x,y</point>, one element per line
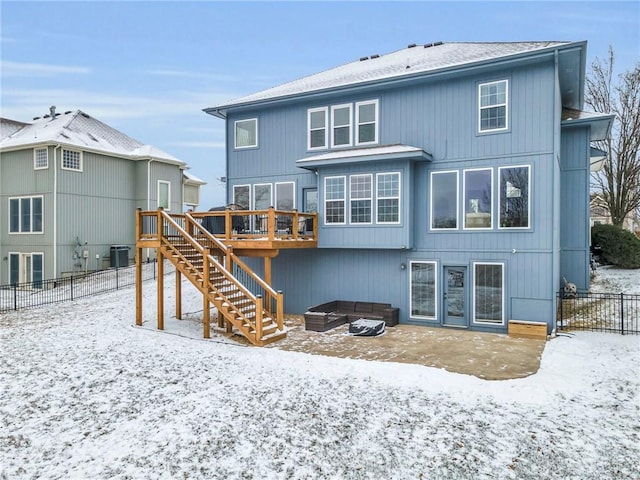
<point>19,69</point>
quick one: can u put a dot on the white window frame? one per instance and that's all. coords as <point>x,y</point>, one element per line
<point>505,105</point>
<point>293,189</point>
<point>235,133</point>
<point>168,184</point>
<point>311,111</point>
<point>21,259</point>
<point>398,197</point>
<point>46,158</point>
<point>464,200</point>
<point>270,195</point>
<point>20,230</point>
<point>80,160</point>
<point>528,167</point>
<point>358,124</point>
<point>334,126</point>
<point>343,199</point>
<point>358,199</point>
<point>431,202</point>
<point>473,294</point>
<point>250,199</point>
<point>435,289</point>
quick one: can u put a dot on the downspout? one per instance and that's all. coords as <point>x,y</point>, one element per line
<point>55,210</point>
<point>557,146</point>
<point>148,193</point>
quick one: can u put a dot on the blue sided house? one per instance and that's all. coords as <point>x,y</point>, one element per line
<point>450,180</point>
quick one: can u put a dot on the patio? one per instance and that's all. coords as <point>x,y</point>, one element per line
<point>485,355</point>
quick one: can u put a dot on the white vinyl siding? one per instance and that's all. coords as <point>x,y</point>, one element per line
<point>317,126</point>
<point>246,133</point>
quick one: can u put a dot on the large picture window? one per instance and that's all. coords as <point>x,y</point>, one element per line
<point>388,197</point>
<point>514,197</point>
<point>341,125</point>
<point>477,198</point>
<point>285,196</point>
<point>444,200</point>
<point>360,188</point>
<point>367,122</point>
<point>242,196</point>
<point>262,196</point>
<point>25,215</point>
<point>317,121</point>
<point>246,133</point>
<point>423,290</point>
<point>334,200</point>
<point>493,106</point>
<point>488,293</point>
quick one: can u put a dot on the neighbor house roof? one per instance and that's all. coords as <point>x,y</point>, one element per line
<point>79,130</point>
<point>411,61</point>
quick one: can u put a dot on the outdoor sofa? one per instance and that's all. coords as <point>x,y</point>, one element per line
<point>326,316</point>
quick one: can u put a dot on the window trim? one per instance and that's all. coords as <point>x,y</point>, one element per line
<point>168,184</point>
<point>528,167</point>
<point>464,200</point>
<point>235,133</point>
<point>35,158</point>
<point>310,111</point>
<point>473,294</point>
<point>343,200</point>
<point>431,202</point>
<point>399,198</point>
<point>370,199</point>
<point>358,124</point>
<point>250,190</point>
<point>435,290</point>
<point>505,105</point>
<point>275,193</point>
<point>21,256</point>
<point>350,124</point>
<point>81,163</point>
<point>20,231</point>
<point>270,194</point>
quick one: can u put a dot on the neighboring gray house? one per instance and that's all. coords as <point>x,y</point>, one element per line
<point>450,179</point>
<point>69,188</point>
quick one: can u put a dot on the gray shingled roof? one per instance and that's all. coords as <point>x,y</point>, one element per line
<point>405,62</point>
<point>77,129</point>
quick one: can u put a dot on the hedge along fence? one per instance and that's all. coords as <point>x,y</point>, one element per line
<point>19,296</point>
<point>599,312</point>
<point>618,247</point>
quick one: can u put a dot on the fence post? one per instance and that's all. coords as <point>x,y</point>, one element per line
<point>15,296</point>
<point>622,313</point>
<point>559,296</point>
<point>72,288</point>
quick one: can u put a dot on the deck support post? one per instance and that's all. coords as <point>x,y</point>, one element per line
<point>280,312</point>
<point>160,290</point>
<point>267,278</point>
<point>206,304</point>
<point>178,295</point>
<point>259,309</point>
<point>138,269</point>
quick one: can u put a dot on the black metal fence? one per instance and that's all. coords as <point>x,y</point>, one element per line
<point>599,312</point>
<point>20,296</point>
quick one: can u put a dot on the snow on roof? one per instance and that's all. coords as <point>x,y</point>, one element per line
<point>77,129</point>
<point>192,179</point>
<point>370,153</point>
<point>406,62</point>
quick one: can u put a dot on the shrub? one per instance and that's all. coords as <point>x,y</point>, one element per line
<point>619,247</point>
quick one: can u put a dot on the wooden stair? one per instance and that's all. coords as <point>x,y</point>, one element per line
<point>209,264</point>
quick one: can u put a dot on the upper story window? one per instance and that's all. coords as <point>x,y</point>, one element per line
<point>367,122</point>
<point>40,158</point>
<point>514,197</point>
<point>493,106</point>
<point>25,215</point>
<point>341,125</point>
<point>478,205</point>
<point>317,120</point>
<point>334,199</point>
<point>246,133</point>
<point>388,197</point>
<point>360,188</point>
<point>72,160</point>
<point>340,129</point>
<point>164,194</point>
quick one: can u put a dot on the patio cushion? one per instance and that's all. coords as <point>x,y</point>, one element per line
<point>364,327</point>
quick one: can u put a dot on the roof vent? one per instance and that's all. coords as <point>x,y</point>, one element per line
<point>362,59</point>
<point>52,111</point>
<point>36,118</point>
<point>411,45</point>
<point>427,45</point>
<point>375,55</point>
<point>437,44</point>
<point>67,112</point>
<point>46,116</point>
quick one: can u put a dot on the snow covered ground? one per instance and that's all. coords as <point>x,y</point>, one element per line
<point>84,394</point>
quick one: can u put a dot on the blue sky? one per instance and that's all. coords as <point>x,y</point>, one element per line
<point>149,68</point>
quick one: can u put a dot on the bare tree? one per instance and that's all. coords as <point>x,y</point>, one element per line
<point>619,179</point>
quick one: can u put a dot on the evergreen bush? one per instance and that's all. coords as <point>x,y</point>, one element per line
<point>619,247</point>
